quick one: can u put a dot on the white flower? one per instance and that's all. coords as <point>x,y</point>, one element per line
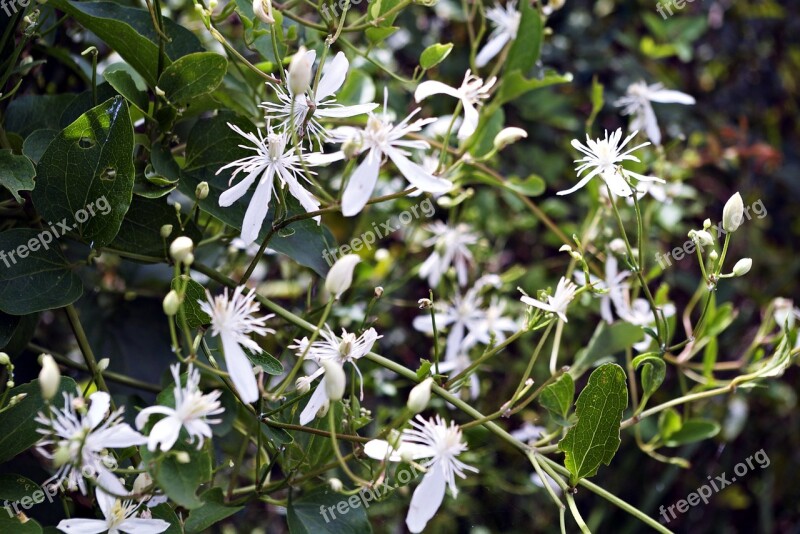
<point>613,284</point>
<point>321,104</point>
<point>340,277</point>
<point>785,313</point>
<point>492,323</point>
<point>471,93</point>
<point>49,377</point>
<point>639,313</point>
<point>349,350</point>
<point>556,303</point>
<point>637,102</point>
<point>79,439</point>
<point>273,158</point>
<point>192,409</point>
<point>382,138</point>
<point>733,213</point>
<point>506,24</point>
<point>435,440</point>
<point>119,516</point>
<point>232,319</point>
<point>298,77</point>
<point>605,157</point>
<point>460,315</point>
<point>529,433</point>
<point>450,248</point>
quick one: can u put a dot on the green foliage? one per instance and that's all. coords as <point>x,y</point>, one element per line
<point>304,514</point>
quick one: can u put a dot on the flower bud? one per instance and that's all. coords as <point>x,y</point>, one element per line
<point>4,359</point>
<point>335,484</point>
<point>617,246</point>
<point>16,399</point>
<point>142,482</point>
<point>420,395</point>
<point>181,248</point>
<point>334,380</point>
<point>171,303</point>
<point>742,267</point>
<point>425,304</point>
<point>351,147</point>
<point>303,385</point>
<point>507,136</point>
<point>49,377</point>
<point>706,224</point>
<point>299,78</point>
<point>713,255</point>
<point>733,213</point>
<point>61,456</point>
<point>263,11</point>
<point>166,230</point>
<point>323,410</point>
<point>702,238</point>
<point>189,259</point>
<point>201,191</point>
<point>102,365</point>
<point>183,457</point>
<point>378,292</point>
<point>341,275</point>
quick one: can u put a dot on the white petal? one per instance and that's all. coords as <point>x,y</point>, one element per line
<point>138,525</point>
<point>427,499</point>
<point>144,415</point>
<point>258,208</point>
<point>231,195</point>
<point>333,76</point>
<point>432,87</point>
<point>378,449</point>
<point>318,158</point>
<point>82,526</point>
<point>361,185</point>
<point>491,49</point>
<point>618,184</point>
<point>298,191</point>
<point>417,176</point>
<point>585,180</point>
<point>647,117</point>
<point>165,432</point>
<point>536,303</point>
<point>666,96</point>
<point>99,403</point>
<point>104,501</point>
<point>454,340</point>
<point>116,437</point>
<point>470,124</point>
<point>109,481</point>
<point>316,401</point>
<point>344,111</point>
<point>240,369</point>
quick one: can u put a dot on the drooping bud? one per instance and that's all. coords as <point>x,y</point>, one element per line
<point>341,275</point>
<point>166,230</point>
<point>171,303</point>
<point>742,267</point>
<point>141,483</point>
<point>335,380</point>
<point>201,191</point>
<point>299,78</point>
<point>183,457</point>
<point>181,248</point>
<point>49,377</point>
<point>420,395</point>
<point>733,213</point>
<point>507,136</point>
<point>424,304</point>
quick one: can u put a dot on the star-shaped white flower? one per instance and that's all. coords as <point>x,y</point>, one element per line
<point>558,302</point>
<point>319,104</point>
<point>471,94</point>
<point>81,435</point>
<point>233,319</point>
<point>637,102</point>
<point>442,444</point>
<point>506,24</point>
<point>613,284</point>
<point>605,157</point>
<point>349,349</point>
<point>274,158</point>
<point>450,247</point>
<point>191,411</point>
<point>118,516</point>
<point>381,138</point>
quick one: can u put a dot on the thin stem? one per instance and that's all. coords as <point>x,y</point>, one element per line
<point>86,349</point>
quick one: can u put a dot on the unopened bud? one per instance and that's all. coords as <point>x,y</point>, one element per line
<point>742,267</point>
<point>303,385</point>
<point>4,359</point>
<point>507,136</point>
<point>335,380</point>
<point>49,377</point>
<point>378,292</point>
<point>166,230</point>
<point>702,238</point>
<point>323,410</point>
<point>425,304</point>
<point>61,456</point>
<point>351,148</point>
<point>299,78</point>
<point>420,395</point>
<point>181,248</point>
<point>102,365</point>
<point>336,484</point>
<point>263,11</point>
<point>733,213</point>
<point>713,255</point>
<point>617,246</point>
<point>142,482</point>
<point>340,277</point>
<point>183,457</point>
<point>201,191</point>
<point>171,303</point>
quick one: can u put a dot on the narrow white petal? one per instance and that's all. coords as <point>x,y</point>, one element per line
<point>240,369</point>
<point>316,401</point>
<point>308,202</point>
<point>666,96</point>
<point>318,158</point>
<point>137,525</point>
<point>333,76</point>
<point>116,437</point>
<point>491,49</point>
<point>432,87</point>
<point>427,499</point>
<point>165,432</point>
<point>144,415</point>
<point>361,184</point>
<point>104,501</point>
<point>99,403</point>
<point>417,176</point>
<point>109,481</point>
<point>231,195</point>
<point>82,526</point>
<point>340,112</point>
<point>258,208</point>
<point>648,118</point>
<point>470,124</point>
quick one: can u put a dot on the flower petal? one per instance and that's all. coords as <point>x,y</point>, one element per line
<point>82,526</point>
<point>144,415</point>
<point>316,401</point>
<point>432,87</point>
<point>491,49</point>
<point>344,111</point>
<point>333,76</point>
<point>361,184</point>
<point>138,525</point>
<point>470,124</point>
<point>417,176</point>
<point>234,193</point>
<point>100,401</point>
<point>240,369</point>
<point>258,208</point>
<point>427,498</point>
<point>165,432</point>
<point>667,96</point>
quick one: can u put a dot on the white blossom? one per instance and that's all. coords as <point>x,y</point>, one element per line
<point>450,247</point>
<point>233,319</point>
<point>638,102</point>
<point>191,411</point>
<point>471,93</point>
<point>118,517</point>
<point>506,24</point>
<point>441,444</point>
<point>613,285</point>
<point>556,303</point>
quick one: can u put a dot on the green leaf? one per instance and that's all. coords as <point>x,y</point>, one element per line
<point>379,34</point>
<point>19,428</point>
<point>83,102</point>
<point>140,232</point>
<point>39,280</point>
<point>179,481</point>
<point>557,397</point>
<point>266,361</point>
<point>532,186</point>
<point>194,292</point>
<point>525,49</point>
<point>304,515</point>
<point>515,85</point>
<point>606,340</point>
<point>653,371</point>
<point>669,422</point>
<point>192,76</point>
<point>166,513</point>
<point>34,112</point>
<point>88,166</point>
<point>12,524</point>
<point>130,32</point>
<point>15,487</point>
<point>693,430</point>
<point>129,83</point>
<point>212,511</point>
<point>37,142</point>
<point>16,173</point>
<point>434,54</point>
<point>597,102</point>
<point>16,331</point>
<point>594,439</point>
<point>211,145</point>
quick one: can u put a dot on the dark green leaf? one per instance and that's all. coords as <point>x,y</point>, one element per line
<point>525,49</point>
<point>164,512</point>
<point>266,361</point>
<point>693,430</point>
<point>180,481</point>
<point>304,514</point>
<point>16,331</point>
<point>379,34</point>
<point>39,280</point>
<point>192,76</point>
<point>83,102</point>
<point>194,292</point>
<point>13,525</point>
<point>557,397</point>
<point>88,167</point>
<point>15,487</point>
<point>34,112</point>
<point>37,142</point>
<point>434,54</point>
<point>129,84</point>
<point>140,232</point>
<point>212,511</point>
<point>16,173</point>
<point>653,371</point>
<point>594,439</point>
<point>19,428</point>
<point>606,340</point>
